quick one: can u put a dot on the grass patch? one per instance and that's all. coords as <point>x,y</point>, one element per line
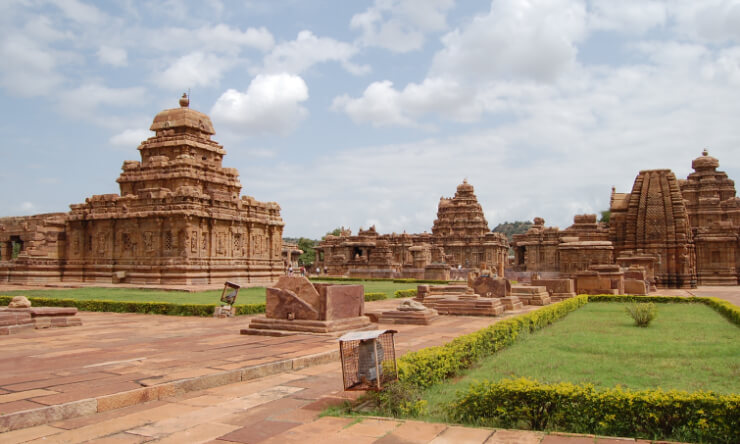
<point>387,287</point>
<point>254,295</point>
<point>687,347</point>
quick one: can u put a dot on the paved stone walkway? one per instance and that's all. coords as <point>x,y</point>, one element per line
<point>139,378</point>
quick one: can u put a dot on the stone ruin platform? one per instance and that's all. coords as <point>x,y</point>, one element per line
<point>457,300</point>
<point>559,289</point>
<point>295,305</point>
<point>19,316</point>
<point>531,295</point>
<point>12,322</point>
<point>409,312</point>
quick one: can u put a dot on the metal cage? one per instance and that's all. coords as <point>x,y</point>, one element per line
<point>368,359</point>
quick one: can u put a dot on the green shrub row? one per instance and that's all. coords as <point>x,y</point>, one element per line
<point>163,308</point>
<point>651,414</point>
<point>726,309</point>
<point>375,296</point>
<point>343,278</point>
<point>433,365</point>
<point>397,281</point>
<point>410,293</point>
<point>419,281</point>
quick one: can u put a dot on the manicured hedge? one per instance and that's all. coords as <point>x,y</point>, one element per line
<point>433,365</point>
<point>651,414</point>
<point>420,281</point>
<point>397,281</point>
<point>410,293</point>
<point>375,296</point>
<point>138,307</point>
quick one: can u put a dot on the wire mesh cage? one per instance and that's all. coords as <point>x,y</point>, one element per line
<point>368,359</point>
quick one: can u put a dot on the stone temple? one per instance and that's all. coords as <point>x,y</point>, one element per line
<point>460,236</point>
<point>179,219</point>
<point>681,232</point>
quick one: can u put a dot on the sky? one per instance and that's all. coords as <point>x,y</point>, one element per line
<point>359,113</point>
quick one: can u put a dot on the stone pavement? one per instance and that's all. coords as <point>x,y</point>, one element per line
<point>277,409</point>
<point>120,359</point>
<point>128,378</point>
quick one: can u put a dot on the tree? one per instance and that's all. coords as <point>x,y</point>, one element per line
<point>334,232</point>
<point>605,216</point>
<point>309,254</point>
<point>511,228</point>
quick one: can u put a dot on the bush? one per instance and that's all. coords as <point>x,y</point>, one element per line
<point>399,398</point>
<point>651,414</point>
<point>375,296</point>
<point>643,314</point>
<point>410,293</point>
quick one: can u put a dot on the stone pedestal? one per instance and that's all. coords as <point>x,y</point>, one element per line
<point>12,322</point>
<point>559,289</point>
<point>417,317</point>
<point>46,317</point>
<point>511,303</point>
<point>295,305</point>
<point>534,295</point>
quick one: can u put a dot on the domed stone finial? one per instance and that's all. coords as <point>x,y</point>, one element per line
<point>705,152</point>
<point>184,100</point>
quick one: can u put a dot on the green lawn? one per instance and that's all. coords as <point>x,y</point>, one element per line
<point>252,295</point>
<point>687,347</point>
<point>387,287</point>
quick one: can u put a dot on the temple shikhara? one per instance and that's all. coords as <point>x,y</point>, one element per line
<point>680,233</point>
<point>460,237</point>
<point>179,219</point>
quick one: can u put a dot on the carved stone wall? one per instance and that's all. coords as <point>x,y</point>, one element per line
<point>547,249</point>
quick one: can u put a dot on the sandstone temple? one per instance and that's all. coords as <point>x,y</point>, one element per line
<point>460,237</point>
<point>179,219</point>
<point>681,232</point>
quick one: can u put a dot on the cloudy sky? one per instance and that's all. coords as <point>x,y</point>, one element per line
<point>365,112</point>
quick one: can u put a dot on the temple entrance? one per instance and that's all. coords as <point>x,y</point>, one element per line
<point>13,248</point>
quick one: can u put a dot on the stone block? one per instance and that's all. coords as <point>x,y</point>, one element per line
<point>283,304</point>
<point>490,287</point>
<point>344,301</point>
<point>635,286</point>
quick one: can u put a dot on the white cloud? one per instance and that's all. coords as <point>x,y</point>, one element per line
<point>271,104</point>
<point>80,12</point>
<point>709,20</point>
<point>130,138</point>
<point>194,69</point>
<point>218,38</point>
<point>627,16</point>
<point>27,69</point>
<point>382,105</point>
<point>112,56</point>
<point>223,36</point>
<point>85,100</point>
<point>533,39</point>
<point>307,50</point>
<point>401,25</point>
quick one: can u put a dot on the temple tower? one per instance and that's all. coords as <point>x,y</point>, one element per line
<point>179,218</point>
<point>714,215</point>
<point>653,220</point>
